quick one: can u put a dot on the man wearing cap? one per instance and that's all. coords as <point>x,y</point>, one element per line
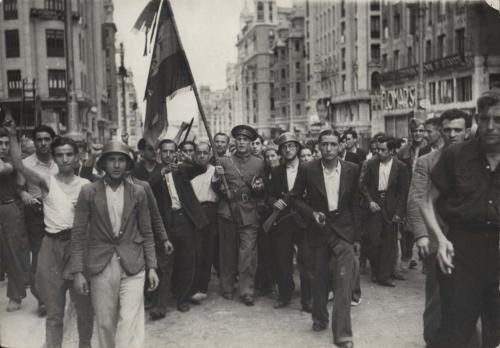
<point>289,229</point>
<point>53,277</point>
<point>237,211</point>
<point>112,242</point>
<point>466,181</point>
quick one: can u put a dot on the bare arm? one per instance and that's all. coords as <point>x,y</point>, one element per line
<point>5,168</point>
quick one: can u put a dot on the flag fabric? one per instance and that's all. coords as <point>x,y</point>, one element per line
<point>169,72</point>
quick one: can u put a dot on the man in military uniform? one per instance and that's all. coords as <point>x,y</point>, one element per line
<point>238,218</point>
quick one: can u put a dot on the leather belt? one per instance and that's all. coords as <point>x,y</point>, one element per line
<point>7,201</point>
<point>63,235</point>
<point>178,212</point>
<point>241,197</point>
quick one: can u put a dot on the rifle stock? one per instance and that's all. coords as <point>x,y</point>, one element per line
<point>266,226</point>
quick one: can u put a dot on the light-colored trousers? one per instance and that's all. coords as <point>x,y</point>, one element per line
<point>118,301</point>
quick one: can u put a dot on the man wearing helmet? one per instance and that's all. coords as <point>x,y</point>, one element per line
<point>112,228</point>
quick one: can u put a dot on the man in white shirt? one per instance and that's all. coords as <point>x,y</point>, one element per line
<point>384,184</point>
<point>205,242</point>
<point>53,278</point>
<point>41,162</point>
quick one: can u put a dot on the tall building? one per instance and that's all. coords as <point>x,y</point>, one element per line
<point>254,43</point>
<point>343,56</point>
<point>129,121</point>
<point>233,86</point>
<point>288,75</point>
<point>460,60</point>
<point>218,111</point>
<point>109,38</point>
<point>34,58</point>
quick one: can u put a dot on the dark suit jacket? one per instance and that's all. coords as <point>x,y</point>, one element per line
<point>189,202</point>
<point>92,231</point>
<point>353,158</point>
<point>397,189</point>
<point>278,188</point>
<point>346,222</point>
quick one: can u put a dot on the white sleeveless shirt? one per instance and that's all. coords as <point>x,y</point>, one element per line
<point>59,206</point>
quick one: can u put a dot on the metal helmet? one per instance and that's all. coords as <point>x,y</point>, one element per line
<point>115,146</point>
<point>286,138</point>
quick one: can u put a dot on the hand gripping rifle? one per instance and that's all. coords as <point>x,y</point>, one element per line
<point>266,226</point>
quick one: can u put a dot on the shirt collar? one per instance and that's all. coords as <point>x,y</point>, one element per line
<point>49,164</point>
<point>293,165</point>
<point>106,185</point>
<point>335,170</point>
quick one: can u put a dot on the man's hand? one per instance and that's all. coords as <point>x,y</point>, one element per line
<point>319,218</point>
<point>423,247</point>
<point>396,219</point>
<point>80,284</point>
<point>374,207</point>
<point>357,248</point>
<point>445,256</point>
<point>28,199</point>
<point>153,279</point>
<point>258,184</point>
<point>219,170</point>
<point>280,204</point>
<point>169,248</point>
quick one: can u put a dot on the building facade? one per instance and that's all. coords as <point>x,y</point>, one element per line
<point>343,56</point>
<point>218,111</point>
<point>288,75</point>
<point>109,42</point>
<point>130,120</point>
<point>460,60</point>
<point>35,58</point>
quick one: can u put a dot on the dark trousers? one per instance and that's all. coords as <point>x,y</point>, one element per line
<point>159,297</point>
<point>335,260</point>
<point>471,291</point>
<point>35,228</point>
<point>205,249</point>
<point>52,284</point>
<point>432,311</point>
<point>265,276</point>
<point>406,244</point>
<point>356,290</point>
<point>283,238</point>
<point>238,256</point>
<point>381,245</point>
<point>14,250</point>
<point>183,237</point>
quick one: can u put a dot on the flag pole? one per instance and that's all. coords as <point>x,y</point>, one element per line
<point>200,108</point>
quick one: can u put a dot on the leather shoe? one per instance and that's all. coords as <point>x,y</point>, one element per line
<point>183,307</point>
<point>281,304</point>
<point>41,310</point>
<point>346,344</point>
<point>398,276</point>
<point>247,300</point>
<point>13,305</point>
<point>388,283</point>
<point>227,295</point>
<point>156,315</point>
<point>318,327</point>
<point>307,307</point>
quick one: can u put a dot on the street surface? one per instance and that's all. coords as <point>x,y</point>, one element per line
<point>386,318</point>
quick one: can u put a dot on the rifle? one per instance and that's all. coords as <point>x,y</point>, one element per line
<point>266,226</point>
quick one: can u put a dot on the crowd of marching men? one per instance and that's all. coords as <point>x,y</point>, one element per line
<point>123,231</point>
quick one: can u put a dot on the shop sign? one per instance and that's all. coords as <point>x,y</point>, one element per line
<point>398,98</point>
<point>46,14</point>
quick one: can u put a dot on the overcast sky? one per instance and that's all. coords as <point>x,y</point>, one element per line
<point>208,30</point>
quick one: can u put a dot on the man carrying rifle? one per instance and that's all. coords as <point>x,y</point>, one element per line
<point>288,229</point>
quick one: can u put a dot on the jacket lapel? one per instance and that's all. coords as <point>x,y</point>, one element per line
<point>343,180</point>
<point>319,180</point>
<point>102,206</point>
<point>128,203</point>
<point>392,174</point>
<point>284,182</point>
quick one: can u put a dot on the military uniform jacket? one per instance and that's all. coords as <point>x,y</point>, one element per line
<point>240,171</point>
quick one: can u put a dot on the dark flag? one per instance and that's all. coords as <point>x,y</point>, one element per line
<point>169,72</point>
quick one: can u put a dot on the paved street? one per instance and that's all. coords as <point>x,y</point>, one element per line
<point>386,318</point>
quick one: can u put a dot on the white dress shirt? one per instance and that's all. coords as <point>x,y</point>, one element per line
<point>332,184</point>
<point>114,199</point>
<point>202,186</point>
<point>384,170</point>
<point>291,173</point>
<point>174,197</point>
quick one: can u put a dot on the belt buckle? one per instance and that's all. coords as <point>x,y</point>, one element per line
<point>244,197</point>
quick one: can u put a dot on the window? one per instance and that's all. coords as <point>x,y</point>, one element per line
<point>428,50</point>
<point>342,8</point>
<point>57,5</point>
<point>283,73</point>
<point>298,88</point>
<point>283,111</point>
<point>298,109</point>
<point>342,32</point>
<point>432,92</point>
<point>413,18</point>
<point>397,24</point>
<point>375,51</point>
<point>385,28</point>
<point>297,68</point>
<point>270,12</point>
<point>57,83</point>
<point>272,103</point>
<point>12,43</point>
<point>55,42</point>
<point>9,9</point>
<point>395,60</point>
<point>375,27</point>
<point>429,14</point>
<point>14,83</point>
<point>375,5</point>
<point>446,91</point>
<point>283,92</point>
<point>409,56</point>
<point>464,88</point>
<point>260,12</point>
<point>384,60</point>
<point>297,45</point>
<point>460,40</point>
<point>308,72</point>
<point>343,58</point>
<point>440,46</point>
<point>343,83</point>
